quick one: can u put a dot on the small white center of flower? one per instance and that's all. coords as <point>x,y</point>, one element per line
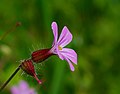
<point>59,47</point>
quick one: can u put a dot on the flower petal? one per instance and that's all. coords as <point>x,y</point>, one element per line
<point>65,37</point>
<point>59,54</point>
<point>64,57</point>
<point>70,64</point>
<point>15,90</point>
<point>31,91</point>
<point>55,32</point>
<point>70,54</point>
<point>23,86</point>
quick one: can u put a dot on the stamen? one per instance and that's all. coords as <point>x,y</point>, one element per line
<point>59,47</point>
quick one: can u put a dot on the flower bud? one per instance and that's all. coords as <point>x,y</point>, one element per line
<point>41,55</point>
<point>28,67</point>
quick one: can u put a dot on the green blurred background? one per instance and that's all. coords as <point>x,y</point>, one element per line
<point>95,26</point>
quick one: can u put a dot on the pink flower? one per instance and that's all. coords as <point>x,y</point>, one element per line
<point>58,48</point>
<point>22,88</point>
<point>58,45</point>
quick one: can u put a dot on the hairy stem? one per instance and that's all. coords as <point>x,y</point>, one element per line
<point>13,74</point>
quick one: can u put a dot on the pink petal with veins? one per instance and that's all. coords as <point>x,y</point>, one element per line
<point>65,37</point>
<point>55,32</point>
<point>70,54</point>
<point>64,56</point>
<point>59,54</point>
<point>70,64</point>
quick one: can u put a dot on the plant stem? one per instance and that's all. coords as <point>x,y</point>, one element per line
<point>12,29</point>
<point>14,73</point>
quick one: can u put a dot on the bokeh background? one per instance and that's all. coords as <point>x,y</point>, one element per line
<point>95,26</point>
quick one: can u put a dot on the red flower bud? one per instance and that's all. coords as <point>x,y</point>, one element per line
<point>28,67</point>
<point>41,55</point>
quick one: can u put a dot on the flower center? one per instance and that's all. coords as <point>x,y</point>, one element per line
<point>59,47</point>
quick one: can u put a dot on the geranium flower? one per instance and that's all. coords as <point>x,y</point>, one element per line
<point>22,88</point>
<point>58,45</point>
<point>58,48</point>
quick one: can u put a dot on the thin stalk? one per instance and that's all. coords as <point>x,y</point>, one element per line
<point>13,74</point>
<point>12,29</point>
